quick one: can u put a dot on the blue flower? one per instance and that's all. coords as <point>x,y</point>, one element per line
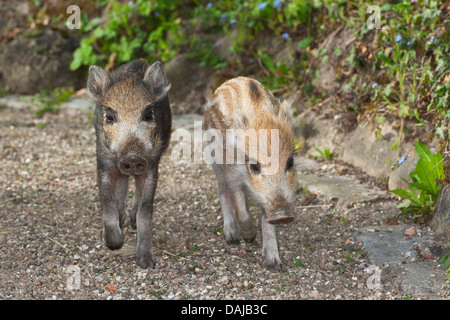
<point>408,43</point>
<point>232,21</point>
<point>374,85</point>
<point>209,5</point>
<point>223,16</point>
<point>392,167</point>
<point>285,35</point>
<point>398,38</point>
<point>262,5</point>
<point>130,3</point>
<point>277,4</point>
<point>401,160</point>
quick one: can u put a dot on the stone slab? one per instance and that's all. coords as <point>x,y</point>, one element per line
<point>346,190</point>
<point>389,244</point>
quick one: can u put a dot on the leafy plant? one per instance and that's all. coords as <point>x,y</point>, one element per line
<point>4,92</point>
<point>196,248</point>
<point>298,263</point>
<point>50,101</point>
<point>156,292</point>
<point>445,260</point>
<point>423,190</point>
<point>131,30</point>
<point>411,51</point>
<point>326,154</point>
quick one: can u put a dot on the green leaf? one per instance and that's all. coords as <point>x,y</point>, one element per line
<point>429,167</point>
<point>305,42</point>
<point>387,90</point>
<point>403,110</point>
<point>385,59</point>
<point>402,193</point>
<point>268,62</point>
<point>422,151</point>
<point>411,195</point>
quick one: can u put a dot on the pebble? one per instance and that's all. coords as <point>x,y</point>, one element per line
<point>2,239</point>
<point>410,232</point>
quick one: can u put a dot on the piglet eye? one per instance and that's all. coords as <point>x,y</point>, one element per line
<point>256,168</point>
<point>149,116</point>
<point>110,116</point>
<point>290,163</point>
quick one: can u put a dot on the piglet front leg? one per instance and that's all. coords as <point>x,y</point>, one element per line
<point>143,202</point>
<point>112,233</point>
<point>271,259</point>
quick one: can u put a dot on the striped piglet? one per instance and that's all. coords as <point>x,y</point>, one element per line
<point>258,161</point>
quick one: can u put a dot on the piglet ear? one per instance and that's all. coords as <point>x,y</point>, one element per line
<point>156,79</point>
<point>97,82</point>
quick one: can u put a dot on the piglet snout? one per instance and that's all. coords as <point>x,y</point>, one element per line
<point>280,216</point>
<point>132,164</point>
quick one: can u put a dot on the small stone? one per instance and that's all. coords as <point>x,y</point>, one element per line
<point>410,232</point>
<point>314,294</point>
<point>2,239</point>
<point>349,245</point>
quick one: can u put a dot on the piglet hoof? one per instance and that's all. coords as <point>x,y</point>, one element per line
<point>249,237</point>
<point>113,238</point>
<point>145,261</point>
<point>274,266</point>
<point>232,235</point>
<point>232,241</point>
<point>280,217</point>
<point>271,259</point>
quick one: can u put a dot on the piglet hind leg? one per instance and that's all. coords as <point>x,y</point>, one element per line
<point>145,192</point>
<point>271,259</point>
<point>137,199</point>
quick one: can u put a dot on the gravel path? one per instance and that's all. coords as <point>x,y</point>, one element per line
<point>50,230</point>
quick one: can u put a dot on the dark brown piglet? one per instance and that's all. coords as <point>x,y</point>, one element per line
<point>132,125</point>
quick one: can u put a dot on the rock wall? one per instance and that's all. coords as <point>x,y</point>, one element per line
<point>39,59</point>
<point>361,148</point>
